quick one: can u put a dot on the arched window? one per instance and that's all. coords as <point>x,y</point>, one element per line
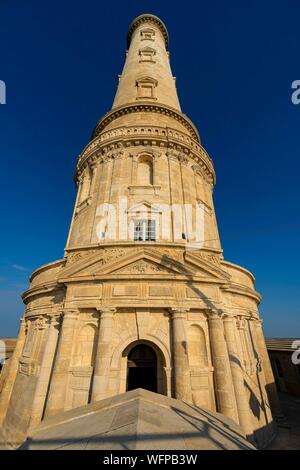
<point>145,171</point>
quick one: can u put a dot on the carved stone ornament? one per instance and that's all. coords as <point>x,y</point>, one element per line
<point>79,255</point>
<point>142,267</point>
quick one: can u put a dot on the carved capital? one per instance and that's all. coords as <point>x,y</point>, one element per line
<point>172,155</point>
<point>106,312</point>
<point>156,154</point>
<point>118,155</point>
<point>54,321</point>
<point>179,312</point>
<point>94,166</point>
<point>40,323</point>
<point>70,314</point>
<point>214,314</point>
<point>183,159</point>
<point>228,317</point>
<point>240,322</point>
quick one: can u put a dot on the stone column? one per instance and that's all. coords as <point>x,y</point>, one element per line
<point>237,376</point>
<point>13,367</point>
<point>181,371</point>
<point>271,389</point>
<point>100,386</point>
<point>60,377</point>
<point>45,372</point>
<point>224,390</point>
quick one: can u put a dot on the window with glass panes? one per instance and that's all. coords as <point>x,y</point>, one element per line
<point>144,230</point>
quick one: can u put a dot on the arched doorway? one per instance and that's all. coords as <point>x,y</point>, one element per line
<point>142,368</point>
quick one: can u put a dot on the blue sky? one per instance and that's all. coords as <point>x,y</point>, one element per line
<point>234,62</point>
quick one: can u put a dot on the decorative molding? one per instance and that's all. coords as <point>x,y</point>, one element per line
<point>148,151</point>
<point>144,189</point>
<point>147,19</point>
<point>144,208</point>
<point>147,54</point>
<point>82,205</point>
<point>145,88</point>
<point>177,156</point>
<point>241,322</point>
<point>109,145</point>
<point>242,290</point>
<point>110,254</point>
<point>202,170</point>
<point>214,314</point>
<point>171,254</point>
<point>125,291</point>
<point>211,258</point>
<point>54,321</point>
<point>81,371</point>
<point>27,367</point>
<point>79,255</point>
<point>106,255</point>
<point>142,267</point>
<point>160,291</point>
<point>179,313</point>
<point>146,107</point>
<point>147,34</point>
<point>40,323</point>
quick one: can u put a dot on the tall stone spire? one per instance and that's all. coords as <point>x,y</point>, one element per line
<point>143,282</point>
<point>147,75</point>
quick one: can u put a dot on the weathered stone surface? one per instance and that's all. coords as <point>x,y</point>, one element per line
<point>138,420</point>
<point>195,312</point>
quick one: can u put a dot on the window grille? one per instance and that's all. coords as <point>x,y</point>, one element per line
<point>144,230</point>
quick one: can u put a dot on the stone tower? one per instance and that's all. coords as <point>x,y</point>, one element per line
<point>143,296</point>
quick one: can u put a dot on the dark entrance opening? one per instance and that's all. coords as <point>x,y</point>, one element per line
<point>142,368</point>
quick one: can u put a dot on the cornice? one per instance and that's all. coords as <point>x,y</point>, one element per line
<point>140,244</point>
<point>238,311</point>
<point>149,19</point>
<point>160,133</point>
<point>239,289</point>
<point>48,312</point>
<point>239,268</point>
<point>41,289</point>
<point>45,267</point>
<point>143,276</point>
<point>177,145</point>
<point>146,107</point>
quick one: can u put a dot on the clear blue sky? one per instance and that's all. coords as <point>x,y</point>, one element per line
<point>234,61</point>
